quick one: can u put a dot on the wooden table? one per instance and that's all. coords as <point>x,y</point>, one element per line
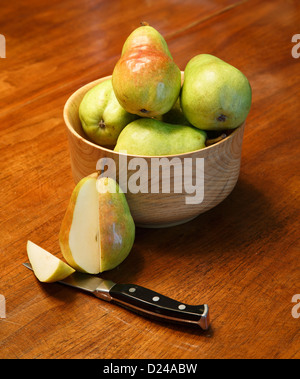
<point>242,257</point>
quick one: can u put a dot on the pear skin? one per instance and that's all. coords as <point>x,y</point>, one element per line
<point>102,117</point>
<point>117,228</point>
<point>146,81</point>
<point>215,95</point>
<point>174,116</point>
<point>150,137</point>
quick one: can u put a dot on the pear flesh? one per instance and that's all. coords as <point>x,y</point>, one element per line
<point>98,231</point>
<point>102,117</point>
<point>215,95</point>
<point>146,80</point>
<point>150,137</point>
<point>80,229</point>
<point>47,267</point>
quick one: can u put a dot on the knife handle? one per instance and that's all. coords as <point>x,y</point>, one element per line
<point>150,303</point>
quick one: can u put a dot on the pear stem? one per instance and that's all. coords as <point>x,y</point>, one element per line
<point>212,141</point>
<point>144,23</point>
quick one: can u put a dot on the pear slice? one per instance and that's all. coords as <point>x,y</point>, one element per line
<point>46,267</point>
<point>97,231</point>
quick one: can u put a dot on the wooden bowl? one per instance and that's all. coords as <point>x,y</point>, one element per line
<point>221,171</point>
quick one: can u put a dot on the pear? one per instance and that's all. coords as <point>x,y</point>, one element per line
<point>102,117</point>
<point>146,80</point>
<point>47,267</point>
<point>97,231</point>
<point>215,95</point>
<point>174,116</point>
<point>150,137</point>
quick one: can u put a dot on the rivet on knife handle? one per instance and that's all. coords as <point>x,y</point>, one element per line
<point>150,303</point>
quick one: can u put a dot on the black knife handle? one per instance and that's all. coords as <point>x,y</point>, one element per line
<point>153,304</point>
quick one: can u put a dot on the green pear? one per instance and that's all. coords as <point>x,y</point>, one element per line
<point>117,228</point>
<point>215,95</point>
<point>146,80</point>
<point>174,116</point>
<point>150,137</point>
<point>102,117</point>
<point>97,231</point>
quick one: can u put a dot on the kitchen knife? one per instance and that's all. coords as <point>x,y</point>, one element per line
<point>139,299</point>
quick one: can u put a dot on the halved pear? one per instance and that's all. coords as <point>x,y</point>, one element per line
<point>97,231</point>
<point>47,267</point>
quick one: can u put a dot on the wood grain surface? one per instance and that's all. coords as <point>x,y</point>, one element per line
<point>241,258</point>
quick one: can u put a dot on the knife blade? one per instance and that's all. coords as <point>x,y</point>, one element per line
<point>139,299</point>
